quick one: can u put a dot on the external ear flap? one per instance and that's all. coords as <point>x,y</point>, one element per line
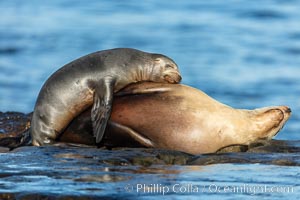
<point>101,110</point>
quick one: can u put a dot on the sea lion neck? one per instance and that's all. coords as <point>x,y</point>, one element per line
<point>147,72</point>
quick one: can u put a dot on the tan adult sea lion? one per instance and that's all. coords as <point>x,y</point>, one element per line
<point>91,81</point>
<point>179,117</point>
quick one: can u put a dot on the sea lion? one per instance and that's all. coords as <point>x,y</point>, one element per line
<point>179,117</point>
<point>92,80</point>
<point>163,116</point>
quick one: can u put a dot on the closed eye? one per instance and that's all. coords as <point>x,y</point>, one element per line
<point>169,66</point>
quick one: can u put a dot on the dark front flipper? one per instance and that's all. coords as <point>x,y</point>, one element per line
<point>101,110</point>
<point>121,129</point>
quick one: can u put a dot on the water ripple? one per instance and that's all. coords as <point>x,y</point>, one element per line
<point>244,53</point>
<point>263,15</point>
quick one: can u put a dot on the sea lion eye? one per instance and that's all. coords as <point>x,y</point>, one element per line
<point>169,66</point>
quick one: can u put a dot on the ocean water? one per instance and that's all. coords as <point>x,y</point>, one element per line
<point>243,53</point>
<point>79,173</point>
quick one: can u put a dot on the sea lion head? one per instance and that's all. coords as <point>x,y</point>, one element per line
<point>164,68</point>
<point>270,120</point>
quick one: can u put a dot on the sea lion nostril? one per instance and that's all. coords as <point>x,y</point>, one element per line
<point>179,78</point>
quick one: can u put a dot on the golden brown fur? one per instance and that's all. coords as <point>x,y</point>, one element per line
<point>179,117</point>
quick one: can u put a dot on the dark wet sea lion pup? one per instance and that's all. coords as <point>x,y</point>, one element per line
<point>92,80</point>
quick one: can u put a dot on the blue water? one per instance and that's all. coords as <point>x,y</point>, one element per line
<point>243,53</point>
<point>57,171</point>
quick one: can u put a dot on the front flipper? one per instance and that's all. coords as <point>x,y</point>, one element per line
<point>132,133</point>
<point>101,110</point>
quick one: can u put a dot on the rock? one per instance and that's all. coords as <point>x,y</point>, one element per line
<point>4,150</point>
<point>247,158</point>
<point>14,128</point>
<point>275,146</point>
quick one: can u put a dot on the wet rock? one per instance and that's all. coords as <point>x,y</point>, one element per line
<point>247,158</point>
<point>14,122</point>
<point>4,150</point>
<point>275,146</point>
<point>276,152</point>
<point>147,157</point>
<point>174,157</point>
<point>14,128</point>
<point>265,146</point>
